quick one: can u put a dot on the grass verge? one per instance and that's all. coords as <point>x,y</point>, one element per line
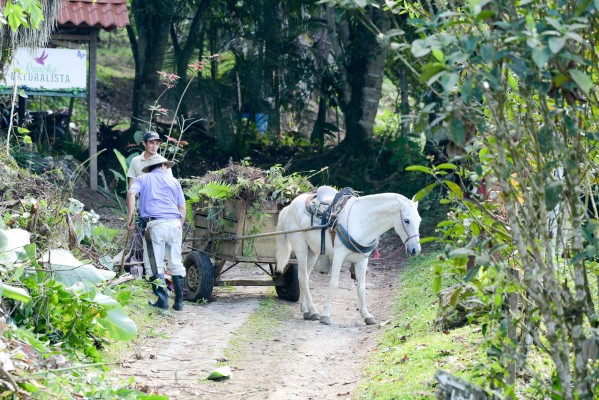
<point>261,326</point>
<point>411,349</point>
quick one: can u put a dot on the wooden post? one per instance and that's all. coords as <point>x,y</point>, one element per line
<point>92,100</point>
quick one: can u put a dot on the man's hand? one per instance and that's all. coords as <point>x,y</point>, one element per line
<point>130,222</point>
<point>130,209</point>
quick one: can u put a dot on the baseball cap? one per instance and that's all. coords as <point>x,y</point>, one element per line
<point>151,135</point>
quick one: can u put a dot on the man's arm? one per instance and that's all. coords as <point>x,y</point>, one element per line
<point>183,212</point>
<point>131,208</point>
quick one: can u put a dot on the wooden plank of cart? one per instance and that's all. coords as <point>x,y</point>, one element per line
<point>225,237</point>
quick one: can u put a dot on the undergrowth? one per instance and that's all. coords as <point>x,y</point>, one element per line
<point>411,348</point>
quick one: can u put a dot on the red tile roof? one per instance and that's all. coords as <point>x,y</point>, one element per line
<point>107,14</point>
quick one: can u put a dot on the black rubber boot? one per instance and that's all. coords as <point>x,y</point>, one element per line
<point>178,285</point>
<point>159,291</point>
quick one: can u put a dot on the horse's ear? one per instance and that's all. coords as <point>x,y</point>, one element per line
<point>415,202</point>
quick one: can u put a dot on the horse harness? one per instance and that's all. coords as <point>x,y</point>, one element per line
<point>326,204</point>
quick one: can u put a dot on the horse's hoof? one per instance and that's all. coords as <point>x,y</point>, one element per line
<point>307,316</point>
<point>370,321</point>
<point>325,320</point>
<point>315,317</point>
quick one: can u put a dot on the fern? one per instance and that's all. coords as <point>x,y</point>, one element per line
<point>211,191</point>
<point>218,190</point>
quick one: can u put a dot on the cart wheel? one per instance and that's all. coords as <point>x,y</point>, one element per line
<point>290,290</point>
<point>199,278</point>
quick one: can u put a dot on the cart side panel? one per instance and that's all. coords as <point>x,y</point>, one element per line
<point>210,225</point>
<point>237,219</point>
<point>265,222</point>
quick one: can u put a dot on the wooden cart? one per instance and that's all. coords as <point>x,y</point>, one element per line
<point>231,235</point>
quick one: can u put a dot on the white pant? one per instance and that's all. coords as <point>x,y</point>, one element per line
<point>166,235</point>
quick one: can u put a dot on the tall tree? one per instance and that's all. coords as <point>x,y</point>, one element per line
<point>187,37</point>
<point>149,38</point>
<point>360,59</point>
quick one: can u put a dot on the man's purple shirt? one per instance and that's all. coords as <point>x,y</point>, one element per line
<point>160,195</point>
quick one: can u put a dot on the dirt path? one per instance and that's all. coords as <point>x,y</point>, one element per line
<point>292,359</point>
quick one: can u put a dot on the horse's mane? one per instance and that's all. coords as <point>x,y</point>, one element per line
<point>401,197</point>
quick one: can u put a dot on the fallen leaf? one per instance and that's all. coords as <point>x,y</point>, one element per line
<point>220,374</point>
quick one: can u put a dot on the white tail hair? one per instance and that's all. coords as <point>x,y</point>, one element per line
<point>283,245</point>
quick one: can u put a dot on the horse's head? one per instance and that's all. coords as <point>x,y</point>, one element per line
<point>407,225</point>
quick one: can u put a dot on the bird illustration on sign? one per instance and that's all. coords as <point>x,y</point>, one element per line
<point>40,60</point>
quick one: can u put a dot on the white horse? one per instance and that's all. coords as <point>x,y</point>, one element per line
<point>365,219</point>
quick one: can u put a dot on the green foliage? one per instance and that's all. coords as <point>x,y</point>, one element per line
<point>411,348</point>
<point>24,13</point>
<point>515,102</point>
<point>73,322</point>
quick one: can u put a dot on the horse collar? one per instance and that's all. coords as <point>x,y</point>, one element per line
<point>351,244</point>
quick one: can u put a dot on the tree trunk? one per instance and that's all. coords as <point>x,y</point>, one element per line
<point>361,61</point>
<point>184,51</point>
<point>152,23</point>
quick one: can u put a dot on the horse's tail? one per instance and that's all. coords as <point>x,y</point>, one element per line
<point>283,245</point>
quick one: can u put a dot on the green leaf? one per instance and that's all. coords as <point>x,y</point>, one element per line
<point>12,243</point>
<point>436,284</point>
<point>540,55</point>
<point>455,296</point>
<point>123,163</point>
<point>485,14</point>
<point>498,300</point>
<point>472,273</point>
<point>462,251</point>
<point>420,168</point>
<point>475,229</point>
<point>449,81</point>
<point>220,373</point>
<point>423,192</point>
<point>116,321</point>
<point>447,166</point>
<point>438,54</point>
<point>556,44</point>
<point>420,48</point>
<point>430,69</point>
<point>11,292</point>
<point>582,80</point>
<point>458,131</point>
<point>455,189</point>
<point>68,270</point>
<point>117,174</point>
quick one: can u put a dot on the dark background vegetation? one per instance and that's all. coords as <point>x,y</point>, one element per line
<point>268,57</point>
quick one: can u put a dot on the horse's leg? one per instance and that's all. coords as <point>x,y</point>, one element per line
<point>325,318</point>
<point>311,312</point>
<point>360,269</point>
<point>302,254</point>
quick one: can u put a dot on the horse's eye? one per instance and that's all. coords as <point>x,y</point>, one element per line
<point>407,221</point>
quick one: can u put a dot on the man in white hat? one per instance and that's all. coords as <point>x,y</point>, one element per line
<point>151,142</point>
<point>162,205</point>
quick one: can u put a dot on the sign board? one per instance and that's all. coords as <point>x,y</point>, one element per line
<point>47,72</point>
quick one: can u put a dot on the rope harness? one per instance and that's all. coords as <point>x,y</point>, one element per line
<point>328,215</point>
<point>330,222</point>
